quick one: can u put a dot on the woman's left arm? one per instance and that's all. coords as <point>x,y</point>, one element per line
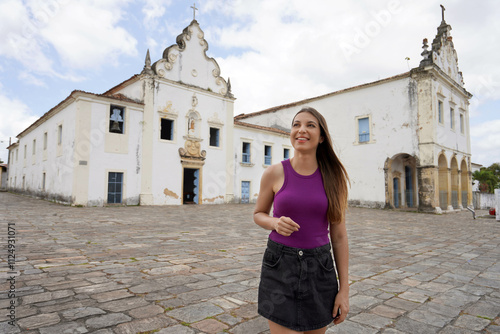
<point>340,246</point>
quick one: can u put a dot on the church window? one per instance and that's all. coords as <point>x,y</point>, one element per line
<point>59,134</point>
<point>116,119</point>
<point>286,153</point>
<point>167,129</point>
<point>34,146</point>
<point>462,123</point>
<point>245,156</point>
<point>45,141</point>
<point>364,129</point>
<point>17,154</point>
<point>267,155</point>
<point>440,112</point>
<point>115,185</point>
<point>43,181</point>
<point>214,137</point>
<point>25,149</point>
<point>452,118</point>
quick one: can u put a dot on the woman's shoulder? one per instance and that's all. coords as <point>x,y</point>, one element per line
<point>274,171</point>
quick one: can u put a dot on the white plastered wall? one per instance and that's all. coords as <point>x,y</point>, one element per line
<point>253,172</point>
<point>56,161</point>
<point>391,107</point>
<point>175,102</point>
<point>123,156</point>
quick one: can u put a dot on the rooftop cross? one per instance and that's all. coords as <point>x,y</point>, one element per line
<point>194,10</point>
<point>442,12</point>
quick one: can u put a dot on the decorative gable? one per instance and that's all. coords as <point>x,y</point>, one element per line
<point>188,63</point>
<point>442,53</point>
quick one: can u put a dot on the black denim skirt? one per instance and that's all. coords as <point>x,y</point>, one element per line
<point>297,286</point>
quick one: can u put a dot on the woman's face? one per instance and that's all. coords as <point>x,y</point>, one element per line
<point>306,132</point>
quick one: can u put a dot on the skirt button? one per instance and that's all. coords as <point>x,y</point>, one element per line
<point>301,253</point>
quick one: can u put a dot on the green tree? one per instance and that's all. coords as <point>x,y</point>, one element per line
<point>489,178</point>
<point>495,168</point>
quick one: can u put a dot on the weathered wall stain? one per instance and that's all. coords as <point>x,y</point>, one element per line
<point>170,193</point>
<point>211,200</point>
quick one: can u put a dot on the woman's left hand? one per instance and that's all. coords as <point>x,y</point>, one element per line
<point>341,307</point>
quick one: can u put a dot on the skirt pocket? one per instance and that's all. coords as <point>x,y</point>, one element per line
<point>271,258</point>
<point>326,262</point>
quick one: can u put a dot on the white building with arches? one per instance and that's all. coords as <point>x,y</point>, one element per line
<point>169,136</point>
<point>405,139</point>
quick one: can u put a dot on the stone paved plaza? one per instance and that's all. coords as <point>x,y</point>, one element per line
<point>195,269</point>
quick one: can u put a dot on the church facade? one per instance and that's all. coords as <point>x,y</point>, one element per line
<point>169,136</point>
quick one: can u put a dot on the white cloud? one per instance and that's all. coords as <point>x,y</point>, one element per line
<point>306,41</point>
<point>18,38</point>
<point>295,50</point>
<point>86,43</point>
<point>485,139</point>
<point>31,79</point>
<point>85,35</point>
<point>153,10</point>
<point>15,116</point>
<point>152,45</point>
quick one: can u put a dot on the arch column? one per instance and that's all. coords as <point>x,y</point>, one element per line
<point>450,206</point>
<point>469,189</point>
<point>428,188</point>
<point>459,176</point>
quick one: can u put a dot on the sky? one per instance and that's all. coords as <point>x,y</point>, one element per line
<point>274,51</point>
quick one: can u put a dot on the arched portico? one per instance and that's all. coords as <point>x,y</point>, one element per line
<point>401,181</point>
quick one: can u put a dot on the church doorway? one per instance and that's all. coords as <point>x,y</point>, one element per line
<point>397,197</point>
<point>191,186</point>
<point>245,191</point>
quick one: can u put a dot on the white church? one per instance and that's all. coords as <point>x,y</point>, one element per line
<point>169,136</point>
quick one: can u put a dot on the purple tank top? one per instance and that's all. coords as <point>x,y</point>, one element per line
<point>303,199</point>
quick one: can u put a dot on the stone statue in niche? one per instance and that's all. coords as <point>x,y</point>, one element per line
<point>191,126</point>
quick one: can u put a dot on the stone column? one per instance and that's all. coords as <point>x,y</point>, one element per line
<point>230,159</point>
<point>470,199</point>
<point>428,188</point>
<point>459,175</point>
<point>450,206</point>
<point>146,196</point>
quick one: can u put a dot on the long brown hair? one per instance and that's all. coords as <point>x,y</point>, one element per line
<point>335,178</point>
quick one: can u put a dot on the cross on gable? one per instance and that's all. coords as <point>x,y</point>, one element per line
<point>194,10</point>
<point>442,12</point>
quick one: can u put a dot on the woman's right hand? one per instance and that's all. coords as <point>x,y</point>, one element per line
<point>286,226</point>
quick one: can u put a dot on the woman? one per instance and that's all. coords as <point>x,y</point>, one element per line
<point>298,291</point>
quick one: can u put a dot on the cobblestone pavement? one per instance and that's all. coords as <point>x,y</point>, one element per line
<point>195,269</point>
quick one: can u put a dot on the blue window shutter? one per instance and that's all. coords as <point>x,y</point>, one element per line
<point>267,155</point>
<point>246,153</point>
<point>364,129</point>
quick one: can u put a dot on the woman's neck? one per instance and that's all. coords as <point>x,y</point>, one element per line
<point>305,164</point>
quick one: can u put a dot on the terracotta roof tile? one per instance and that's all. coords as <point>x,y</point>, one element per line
<point>118,97</point>
<point>260,127</point>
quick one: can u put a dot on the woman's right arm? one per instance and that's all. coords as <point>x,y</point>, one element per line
<point>283,225</point>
